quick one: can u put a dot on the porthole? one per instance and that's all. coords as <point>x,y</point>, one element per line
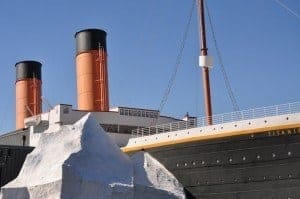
<point>194,163</point>
<point>202,162</point>
<point>258,157</point>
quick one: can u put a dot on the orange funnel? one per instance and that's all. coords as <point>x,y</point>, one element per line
<point>28,91</point>
<point>91,67</point>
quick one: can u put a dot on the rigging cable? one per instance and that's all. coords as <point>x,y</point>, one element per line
<point>224,73</point>
<point>177,63</point>
<point>47,103</point>
<point>287,8</point>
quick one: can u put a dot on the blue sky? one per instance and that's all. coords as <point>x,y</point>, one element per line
<point>258,39</point>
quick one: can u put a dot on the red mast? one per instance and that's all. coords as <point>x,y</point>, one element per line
<point>205,62</point>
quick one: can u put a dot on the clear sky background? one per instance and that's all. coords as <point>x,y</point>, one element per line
<point>258,39</point>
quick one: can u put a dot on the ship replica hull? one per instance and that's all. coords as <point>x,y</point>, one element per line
<point>245,159</point>
<point>264,165</point>
<point>11,161</point>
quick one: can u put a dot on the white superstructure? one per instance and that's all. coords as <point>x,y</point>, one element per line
<point>118,122</point>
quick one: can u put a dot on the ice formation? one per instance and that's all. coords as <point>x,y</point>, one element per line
<point>81,162</point>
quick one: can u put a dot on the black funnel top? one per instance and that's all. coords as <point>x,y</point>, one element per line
<point>28,69</point>
<point>90,39</point>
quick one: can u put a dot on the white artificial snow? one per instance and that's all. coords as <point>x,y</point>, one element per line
<point>80,161</point>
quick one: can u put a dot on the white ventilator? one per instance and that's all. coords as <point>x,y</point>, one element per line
<point>205,61</point>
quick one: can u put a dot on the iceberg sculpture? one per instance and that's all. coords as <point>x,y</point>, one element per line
<point>80,161</point>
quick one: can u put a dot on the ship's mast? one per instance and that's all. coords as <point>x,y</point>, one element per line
<point>205,62</point>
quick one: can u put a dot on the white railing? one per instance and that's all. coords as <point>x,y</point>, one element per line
<point>220,119</point>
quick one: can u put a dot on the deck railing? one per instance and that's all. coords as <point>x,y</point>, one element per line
<point>261,112</point>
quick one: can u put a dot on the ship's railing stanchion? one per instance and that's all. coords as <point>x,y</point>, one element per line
<point>220,119</point>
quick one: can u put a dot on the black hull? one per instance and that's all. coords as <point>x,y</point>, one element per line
<point>11,162</point>
<point>265,165</point>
